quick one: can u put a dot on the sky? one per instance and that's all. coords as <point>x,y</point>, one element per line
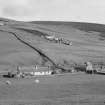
<point>54,10</point>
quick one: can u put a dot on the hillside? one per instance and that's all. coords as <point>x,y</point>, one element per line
<point>29,43</point>
<point>88,43</point>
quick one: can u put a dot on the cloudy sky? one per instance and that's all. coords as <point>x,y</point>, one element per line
<point>67,10</point>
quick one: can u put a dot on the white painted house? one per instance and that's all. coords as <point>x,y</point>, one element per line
<point>1,24</point>
<point>35,70</point>
<point>50,37</point>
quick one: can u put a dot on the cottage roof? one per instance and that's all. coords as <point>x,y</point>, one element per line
<point>33,68</point>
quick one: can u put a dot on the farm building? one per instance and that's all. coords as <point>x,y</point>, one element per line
<point>35,70</point>
<point>1,24</point>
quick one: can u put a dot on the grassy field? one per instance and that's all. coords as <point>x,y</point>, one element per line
<point>88,44</point>
<point>69,89</point>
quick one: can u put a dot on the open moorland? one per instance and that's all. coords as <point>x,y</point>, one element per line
<point>25,43</point>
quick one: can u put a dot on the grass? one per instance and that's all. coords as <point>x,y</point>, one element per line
<point>86,45</point>
<point>69,89</point>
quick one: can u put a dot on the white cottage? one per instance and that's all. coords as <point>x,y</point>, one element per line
<point>35,70</point>
<point>1,24</point>
<point>42,71</point>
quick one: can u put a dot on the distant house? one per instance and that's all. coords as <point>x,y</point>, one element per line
<point>50,37</point>
<point>35,70</point>
<point>1,24</point>
<point>89,67</point>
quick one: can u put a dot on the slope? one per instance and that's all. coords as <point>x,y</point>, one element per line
<point>88,43</point>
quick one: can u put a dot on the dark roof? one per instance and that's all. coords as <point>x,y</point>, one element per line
<point>32,68</point>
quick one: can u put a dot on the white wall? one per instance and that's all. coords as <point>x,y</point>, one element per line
<point>43,73</point>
